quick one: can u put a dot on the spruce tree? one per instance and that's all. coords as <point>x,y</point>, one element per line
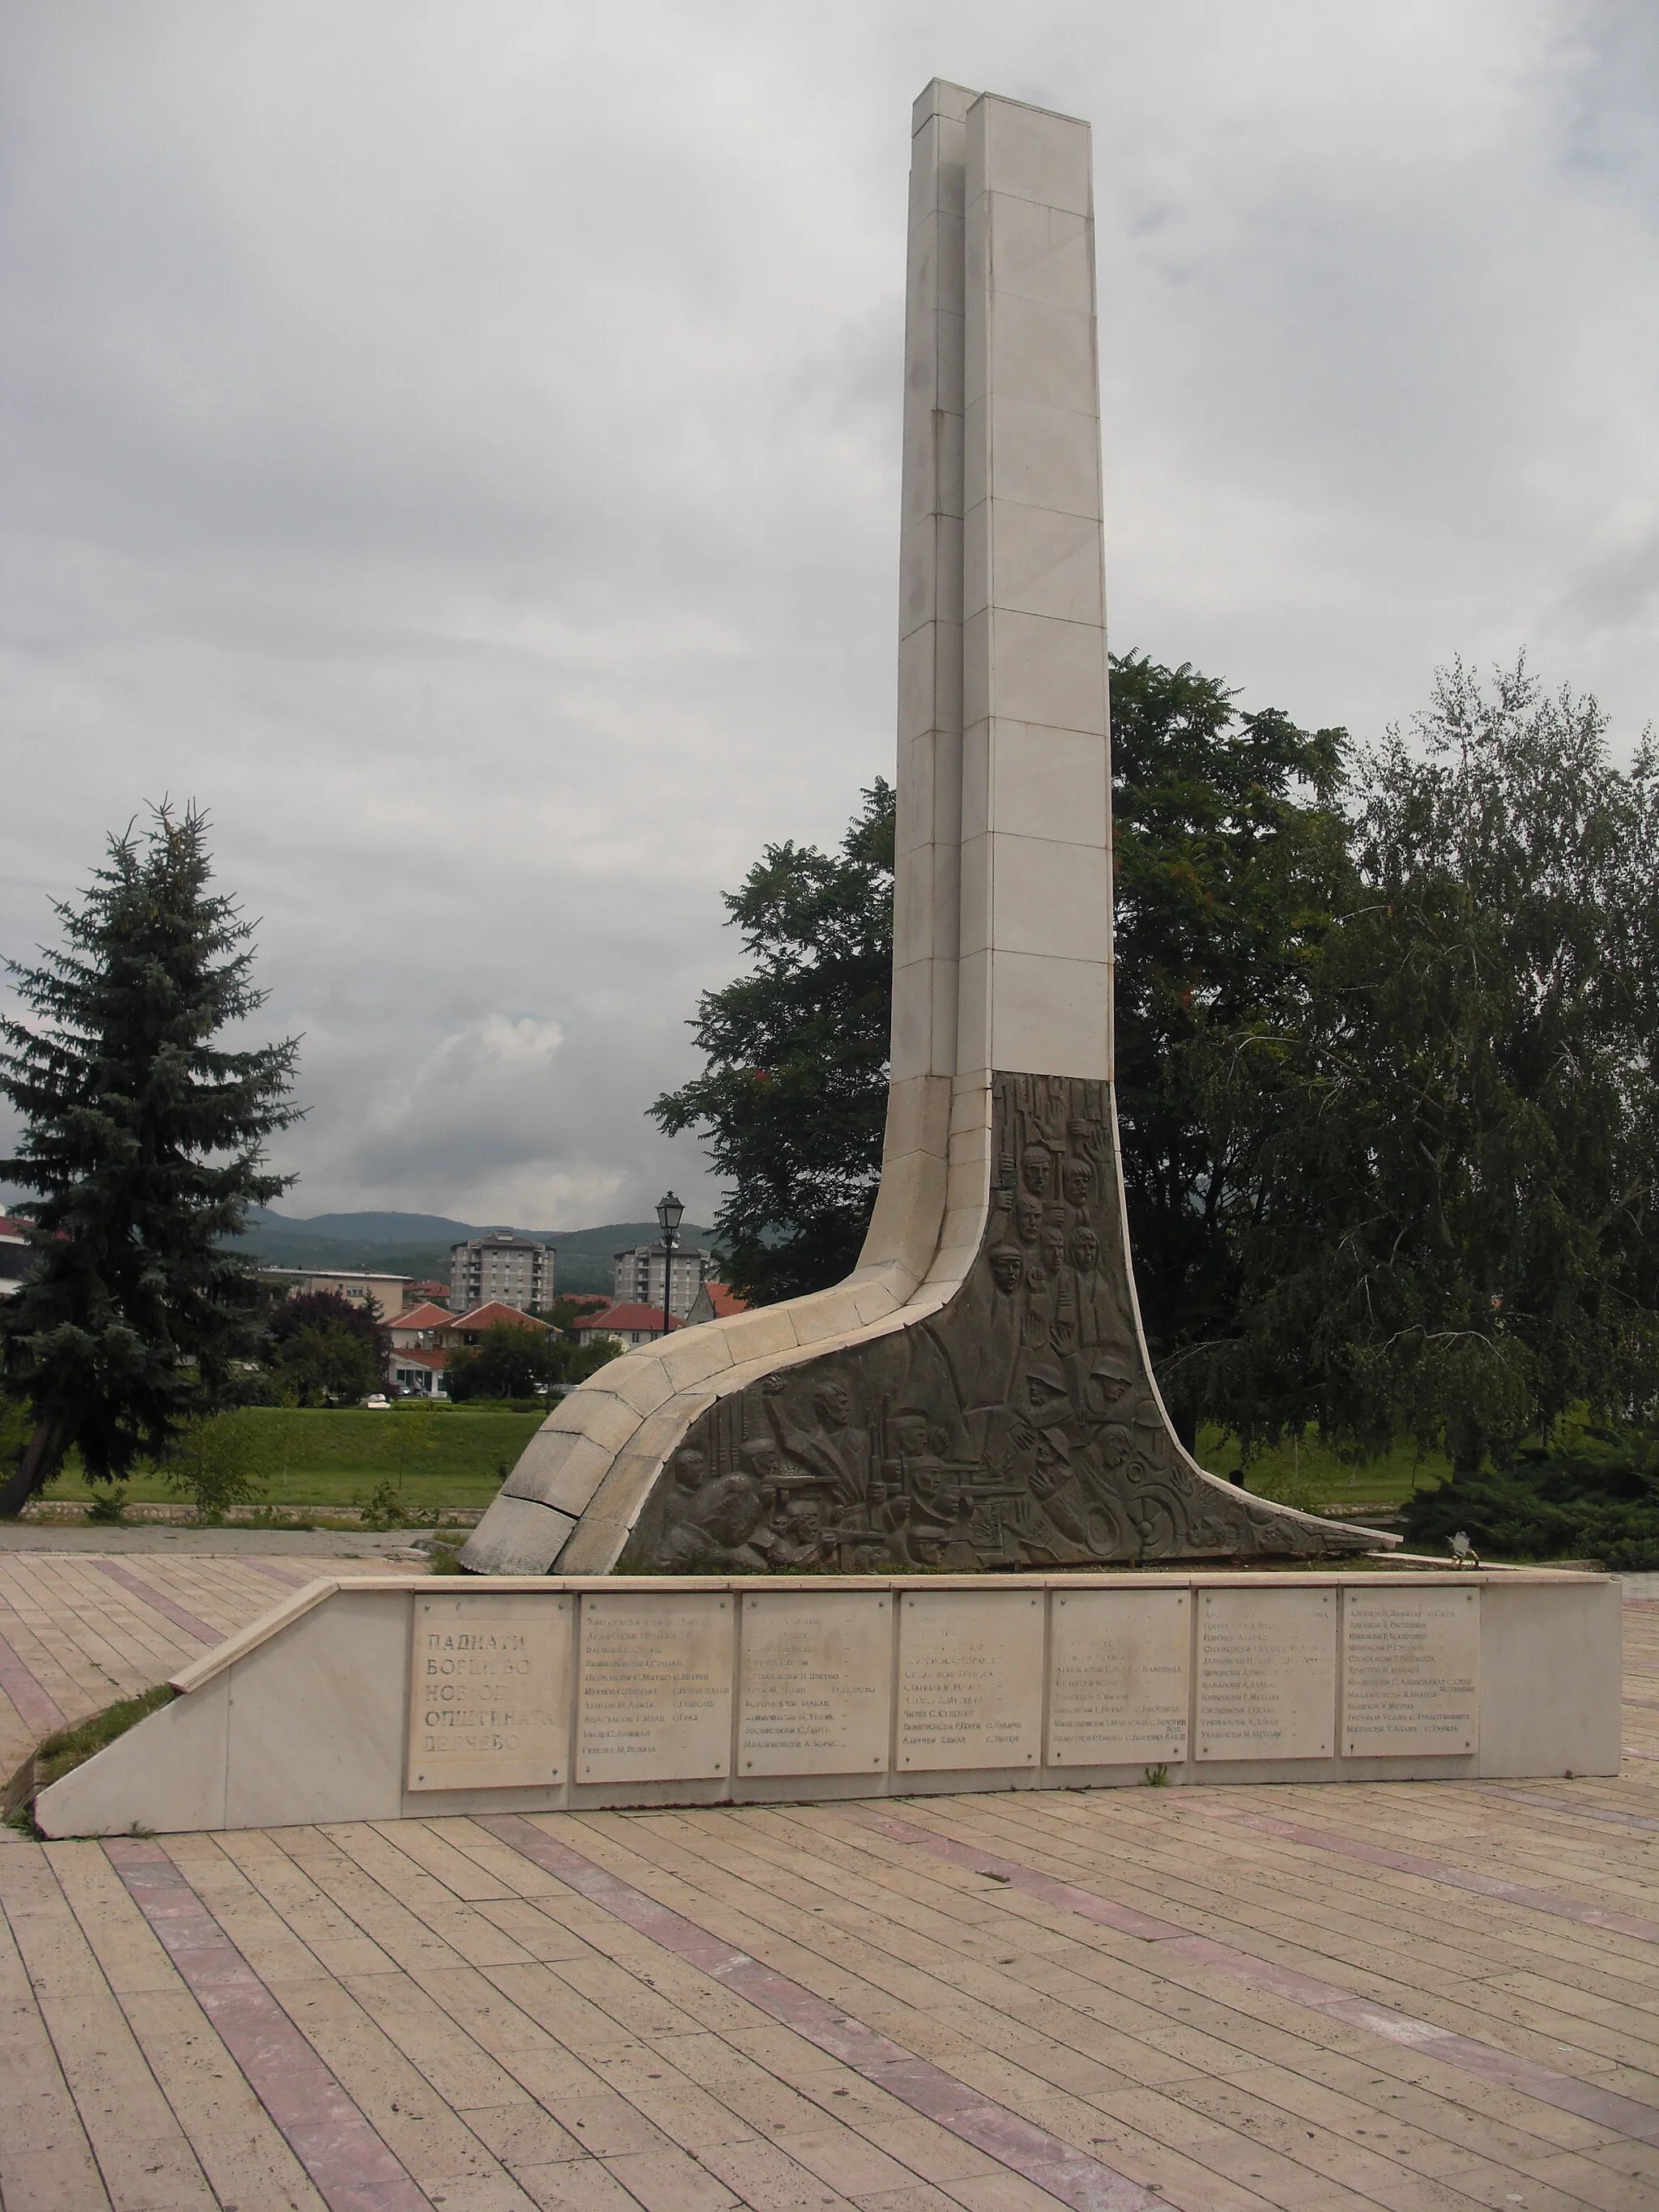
<point>144,1141</point>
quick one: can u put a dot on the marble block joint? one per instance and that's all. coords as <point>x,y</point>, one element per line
<point>976,1395</point>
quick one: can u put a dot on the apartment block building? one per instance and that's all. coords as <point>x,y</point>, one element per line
<point>515,1270</point>
<point>639,1275</point>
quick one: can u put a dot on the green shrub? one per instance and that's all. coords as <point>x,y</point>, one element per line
<point>1597,1499</point>
<point>212,1461</point>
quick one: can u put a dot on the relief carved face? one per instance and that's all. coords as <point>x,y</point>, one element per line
<point>689,1466</point>
<point>1077,1179</point>
<point>910,1435</point>
<point>1007,1268</point>
<point>1036,1169</point>
<point>833,1404</point>
<point>1107,1382</point>
<point>1028,1216</point>
<point>1086,1248</point>
<point>1053,1462</point>
<point>1045,1393</point>
<point>1054,1248</point>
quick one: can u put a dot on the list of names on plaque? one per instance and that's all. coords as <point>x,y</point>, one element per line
<point>970,1679</point>
<point>489,1691</point>
<point>1267,1673</point>
<point>1411,1673</point>
<point>815,1677</point>
<point>1117,1677</point>
<point>655,1698</point>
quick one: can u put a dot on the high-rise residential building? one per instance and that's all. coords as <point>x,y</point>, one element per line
<point>515,1270</point>
<point>638,1276</point>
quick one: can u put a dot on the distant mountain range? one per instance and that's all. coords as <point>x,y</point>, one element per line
<point>418,1244</point>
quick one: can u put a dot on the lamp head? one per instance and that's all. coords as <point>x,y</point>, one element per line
<point>670,1211</point>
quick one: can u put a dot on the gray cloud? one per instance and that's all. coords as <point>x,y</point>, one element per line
<point>460,447</point>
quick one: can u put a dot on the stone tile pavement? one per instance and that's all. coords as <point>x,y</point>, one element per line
<point>1434,1996</point>
<point>79,1629</point>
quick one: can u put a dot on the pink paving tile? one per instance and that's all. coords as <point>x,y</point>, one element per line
<point>1602,2107</point>
<point>1435,1870</point>
<point>39,1709</point>
<point>1071,2176</point>
<point>176,1613</point>
<point>1579,1812</point>
<point>351,2166</point>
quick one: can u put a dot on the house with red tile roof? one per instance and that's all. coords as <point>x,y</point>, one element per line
<point>625,1324</point>
<point>419,1326</point>
<point>418,1372</point>
<point>469,1327</point>
<point>714,1302</point>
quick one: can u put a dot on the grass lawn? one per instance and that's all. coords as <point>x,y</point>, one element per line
<point>457,1455</point>
<point>1328,1479</point>
<point>442,1455</point>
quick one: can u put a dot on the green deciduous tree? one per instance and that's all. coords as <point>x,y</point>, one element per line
<point>1229,855</point>
<point>506,1363</point>
<point>326,1351</point>
<point>511,1362</point>
<point>144,1139</point>
<point>1450,1231</point>
<point>794,1093</point>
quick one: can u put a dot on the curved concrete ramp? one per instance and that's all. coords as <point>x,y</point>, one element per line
<point>977,1393</point>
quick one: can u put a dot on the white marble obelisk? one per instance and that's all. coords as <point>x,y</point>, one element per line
<point>1002,969</point>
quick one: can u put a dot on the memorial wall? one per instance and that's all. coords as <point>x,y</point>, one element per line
<point>615,1692</point>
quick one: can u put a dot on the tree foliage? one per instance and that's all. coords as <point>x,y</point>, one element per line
<point>1386,1037</point>
<point>1596,1498</point>
<point>1449,1230</point>
<point>327,1350</point>
<point>508,1363</point>
<point>144,1139</point>
<point>794,1093</point>
<point>1229,856</point>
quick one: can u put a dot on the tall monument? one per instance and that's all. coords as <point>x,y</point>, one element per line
<point>976,1394</point>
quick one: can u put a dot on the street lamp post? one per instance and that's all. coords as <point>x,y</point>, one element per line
<point>670,1211</point>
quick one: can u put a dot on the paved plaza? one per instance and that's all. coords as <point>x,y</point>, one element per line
<point>1428,1995</point>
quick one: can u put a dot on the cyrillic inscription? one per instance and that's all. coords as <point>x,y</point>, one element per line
<point>489,1691</point>
<point>1267,1673</point>
<point>816,1675</point>
<point>1117,1677</point>
<point>1411,1673</point>
<point>655,1701</point>
<point>970,1679</point>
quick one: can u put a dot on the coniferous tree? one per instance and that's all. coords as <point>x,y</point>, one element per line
<point>144,1141</point>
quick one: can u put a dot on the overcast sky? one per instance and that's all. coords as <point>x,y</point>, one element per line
<point>457,446</point>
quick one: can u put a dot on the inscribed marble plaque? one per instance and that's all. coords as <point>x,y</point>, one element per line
<point>489,1691</point>
<point>970,1679</point>
<point>1267,1673</point>
<point>1411,1673</point>
<point>1117,1677</point>
<point>817,1682</point>
<point>654,1703</point>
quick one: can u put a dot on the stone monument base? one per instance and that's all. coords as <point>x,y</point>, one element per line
<point>382,1700</point>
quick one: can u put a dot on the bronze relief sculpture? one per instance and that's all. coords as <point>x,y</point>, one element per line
<point>1018,1427</point>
